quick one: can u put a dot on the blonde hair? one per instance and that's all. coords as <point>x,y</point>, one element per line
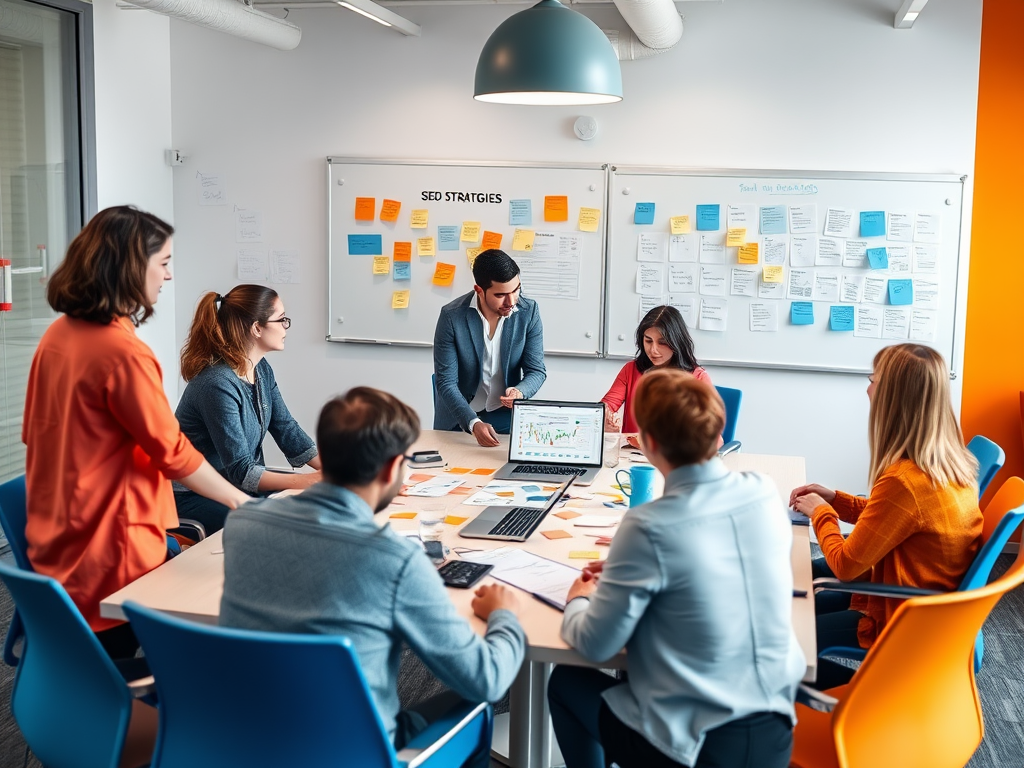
<point>912,418</point>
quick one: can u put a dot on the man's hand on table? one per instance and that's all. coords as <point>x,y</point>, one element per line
<point>586,584</point>
<point>485,434</point>
<point>495,597</point>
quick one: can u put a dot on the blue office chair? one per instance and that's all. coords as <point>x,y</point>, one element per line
<point>990,460</point>
<point>72,705</point>
<point>12,519</point>
<point>732,399</point>
<point>267,699</point>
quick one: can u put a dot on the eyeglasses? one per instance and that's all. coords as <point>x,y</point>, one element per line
<point>286,322</point>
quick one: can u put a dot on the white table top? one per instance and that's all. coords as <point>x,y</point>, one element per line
<point>190,585</point>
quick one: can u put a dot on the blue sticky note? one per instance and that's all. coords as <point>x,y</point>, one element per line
<point>840,317</point>
<point>520,212</point>
<point>644,213</point>
<point>801,313</point>
<point>402,270</point>
<point>707,218</point>
<point>872,223</point>
<point>901,292</point>
<point>878,258</point>
<point>365,245</point>
<point>448,238</point>
<point>773,220</point>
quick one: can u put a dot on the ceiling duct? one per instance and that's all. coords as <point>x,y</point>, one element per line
<point>231,17</point>
<point>655,27</point>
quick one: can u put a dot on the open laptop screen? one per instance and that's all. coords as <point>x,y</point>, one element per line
<point>552,432</point>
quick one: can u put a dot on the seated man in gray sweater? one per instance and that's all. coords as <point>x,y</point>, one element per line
<point>318,563</point>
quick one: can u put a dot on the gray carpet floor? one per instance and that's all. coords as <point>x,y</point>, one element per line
<point>1001,682</point>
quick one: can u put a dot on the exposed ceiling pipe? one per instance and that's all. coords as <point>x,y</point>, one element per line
<point>655,27</point>
<point>232,17</point>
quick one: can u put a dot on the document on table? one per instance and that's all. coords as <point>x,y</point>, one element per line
<point>545,579</point>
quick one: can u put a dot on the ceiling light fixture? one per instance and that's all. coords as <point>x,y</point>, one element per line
<point>381,15</point>
<point>908,13</point>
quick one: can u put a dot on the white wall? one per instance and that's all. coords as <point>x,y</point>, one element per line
<point>133,128</point>
<point>787,84</point>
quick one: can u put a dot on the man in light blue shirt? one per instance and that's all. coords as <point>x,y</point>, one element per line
<point>698,588</point>
<point>318,563</point>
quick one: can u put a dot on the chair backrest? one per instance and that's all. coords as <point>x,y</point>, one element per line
<point>70,702</point>
<point>732,399</point>
<point>12,517</point>
<point>261,699</point>
<point>914,702</point>
<point>990,460</point>
<point>1009,496</point>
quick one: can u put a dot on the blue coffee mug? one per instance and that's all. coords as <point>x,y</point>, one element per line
<point>641,484</point>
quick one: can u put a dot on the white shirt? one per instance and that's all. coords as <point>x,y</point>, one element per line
<point>492,378</point>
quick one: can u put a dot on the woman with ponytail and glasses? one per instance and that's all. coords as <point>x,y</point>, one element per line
<point>232,399</point>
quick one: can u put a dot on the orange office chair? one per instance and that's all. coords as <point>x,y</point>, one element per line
<point>913,703</point>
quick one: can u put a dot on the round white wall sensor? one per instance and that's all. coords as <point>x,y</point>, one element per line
<point>585,128</point>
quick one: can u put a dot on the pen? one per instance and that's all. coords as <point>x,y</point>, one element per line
<point>799,593</point>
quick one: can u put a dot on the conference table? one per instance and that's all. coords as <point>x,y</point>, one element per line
<point>190,585</point>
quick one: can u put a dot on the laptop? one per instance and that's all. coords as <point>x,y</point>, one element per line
<point>512,524</point>
<point>551,440</point>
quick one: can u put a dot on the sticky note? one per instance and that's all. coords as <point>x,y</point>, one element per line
<point>556,208</point>
<point>878,258</point>
<point>872,223</point>
<point>801,313</point>
<point>403,251</point>
<point>643,213</point>
<point>556,534</point>
<point>584,554</point>
<point>419,477</point>
<point>482,471</point>
<point>381,265</point>
<point>567,514</point>
<point>840,317</point>
<point>708,218</point>
<point>471,254</point>
<point>389,210</point>
<point>402,515</point>
<point>402,270</point>
<point>460,470</point>
<point>490,240</point>
<point>418,218</point>
<point>505,494</point>
<point>773,220</point>
<point>444,274</point>
<point>400,300</point>
<point>520,212</point>
<point>425,246</point>
<point>470,232</point>
<point>679,225</point>
<point>365,206</point>
<point>454,520</point>
<point>365,245</point>
<point>462,490</point>
<point>735,237</point>
<point>771,274</point>
<point>448,238</point>
<point>522,240</point>
<point>748,253</point>
<point>901,292</point>
<point>589,219</point>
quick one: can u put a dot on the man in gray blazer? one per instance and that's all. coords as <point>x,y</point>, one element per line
<point>488,351</point>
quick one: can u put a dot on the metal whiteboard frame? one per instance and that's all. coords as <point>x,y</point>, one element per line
<point>963,261</point>
<point>603,230</point>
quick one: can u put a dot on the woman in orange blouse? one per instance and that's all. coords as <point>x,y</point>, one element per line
<point>102,441</point>
<point>920,526</point>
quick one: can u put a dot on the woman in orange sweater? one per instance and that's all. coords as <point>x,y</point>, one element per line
<point>102,441</point>
<point>920,526</point>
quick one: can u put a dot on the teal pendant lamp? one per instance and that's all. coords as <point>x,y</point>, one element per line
<point>548,55</point>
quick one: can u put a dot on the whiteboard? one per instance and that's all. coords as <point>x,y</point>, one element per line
<point>566,280</point>
<point>679,192</point>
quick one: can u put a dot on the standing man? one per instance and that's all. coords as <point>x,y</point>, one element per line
<point>488,351</point>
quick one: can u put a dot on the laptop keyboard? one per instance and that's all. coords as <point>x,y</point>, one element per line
<point>517,522</point>
<point>548,469</point>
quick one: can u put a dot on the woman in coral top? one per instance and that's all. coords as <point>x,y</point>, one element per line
<point>102,441</point>
<point>662,341</point>
<point>919,527</point>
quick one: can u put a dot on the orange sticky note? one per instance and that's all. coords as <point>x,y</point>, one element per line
<point>403,251</point>
<point>556,208</point>
<point>748,253</point>
<point>455,520</point>
<point>425,246</point>
<point>736,237</point>
<point>365,206</point>
<point>462,490</point>
<point>584,554</point>
<point>482,471</point>
<point>505,494</point>
<point>491,240</point>
<point>419,477</point>
<point>444,274</point>
<point>389,210</point>
<point>418,218</point>
<point>402,515</point>
<point>567,514</point>
<point>460,470</point>
<point>558,533</point>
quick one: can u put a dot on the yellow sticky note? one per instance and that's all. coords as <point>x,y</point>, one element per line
<point>556,208</point>
<point>381,265</point>
<point>402,515</point>
<point>471,254</point>
<point>444,274</point>
<point>365,207</point>
<point>523,240</point>
<point>460,470</point>
<point>584,554</point>
<point>505,494</point>
<point>589,219</point>
<point>455,520</point>
<point>736,237</point>
<point>418,218</point>
<point>680,225</point>
<point>748,253</point>
<point>389,210</point>
<point>491,240</point>
<point>771,275</point>
<point>425,246</point>
<point>470,232</point>
<point>400,300</point>
<point>403,251</point>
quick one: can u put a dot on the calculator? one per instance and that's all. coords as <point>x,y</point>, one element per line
<point>462,573</point>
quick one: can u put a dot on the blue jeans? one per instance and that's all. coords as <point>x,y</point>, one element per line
<point>836,625</point>
<point>210,513</point>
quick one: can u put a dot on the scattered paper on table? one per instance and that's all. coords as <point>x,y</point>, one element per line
<point>419,477</point>
<point>402,515</point>
<point>483,471</point>
<point>435,487</point>
<point>460,470</point>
